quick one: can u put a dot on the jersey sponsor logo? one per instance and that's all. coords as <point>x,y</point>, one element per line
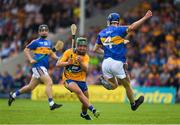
<point>44,43</point>
<point>109,32</point>
<point>73,68</point>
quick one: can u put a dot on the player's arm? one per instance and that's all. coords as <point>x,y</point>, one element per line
<point>65,60</point>
<point>54,56</point>
<point>27,51</point>
<point>98,46</point>
<point>59,46</point>
<point>138,23</point>
<point>83,63</point>
<point>98,49</point>
<point>62,64</point>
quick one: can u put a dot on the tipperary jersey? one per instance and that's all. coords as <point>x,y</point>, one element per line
<point>74,71</point>
<point>40,47</point>
<point>112,38</point>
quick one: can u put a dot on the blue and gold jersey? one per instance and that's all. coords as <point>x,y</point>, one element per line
<point>40,47</point>
<point>74,71</point>
<point>112,40</point>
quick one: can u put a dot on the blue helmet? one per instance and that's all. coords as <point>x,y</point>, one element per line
<point>113,17</point>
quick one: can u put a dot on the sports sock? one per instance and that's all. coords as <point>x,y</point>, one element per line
<point>17,93</point>
<point>84,112</point>
<point>91,108</point>
<point>51,102</point>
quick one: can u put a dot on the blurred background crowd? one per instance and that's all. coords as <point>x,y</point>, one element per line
<point>153,51</point>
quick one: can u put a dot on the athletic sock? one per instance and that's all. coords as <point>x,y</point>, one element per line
<point>51,102</point>
<point>17,93</point>
<point>91,108</point>
<point>84,113</point>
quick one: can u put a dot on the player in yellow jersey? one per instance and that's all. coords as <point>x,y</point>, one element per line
<point>75,65</point>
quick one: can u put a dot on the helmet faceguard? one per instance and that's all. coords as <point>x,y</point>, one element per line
<point>43,30</point>
<point>113,18</point>
<point>81,43</point>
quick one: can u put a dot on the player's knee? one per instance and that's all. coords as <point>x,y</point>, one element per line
<point>79,92</point>
<point>112,85</point>
<point>125,83</point>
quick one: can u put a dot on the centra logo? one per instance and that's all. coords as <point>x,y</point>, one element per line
<point>156,97</point>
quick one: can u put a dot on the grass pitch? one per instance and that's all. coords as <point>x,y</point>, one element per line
<point>37,112</point>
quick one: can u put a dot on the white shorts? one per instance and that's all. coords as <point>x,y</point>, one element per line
<point>113,68</point>
<point>39,71</point>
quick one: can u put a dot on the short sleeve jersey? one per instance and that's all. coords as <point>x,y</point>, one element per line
<point>74,71</point>
<point>40,47</point>
<point>112,40</point>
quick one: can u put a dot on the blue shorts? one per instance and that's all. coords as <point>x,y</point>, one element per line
<point>82,85</point>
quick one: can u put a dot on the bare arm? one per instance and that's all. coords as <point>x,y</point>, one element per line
<point>98,49</point>
<point>54,56</point>
<point>63,64</point>
<point>65,60</point>
<point>138,23</point>
<point>28,55</point>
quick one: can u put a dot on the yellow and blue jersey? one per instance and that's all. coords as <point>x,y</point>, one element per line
<point>74,71</point>
<point>112,40</point>
<point>40,47</point>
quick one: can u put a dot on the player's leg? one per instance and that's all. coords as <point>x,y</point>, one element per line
<point>33,83</point>
<point>123,78</point>
<point>27,88</point>
<point>108,80</point>
<point>84,108</point>
<point>109,83</point>
<point>73,87</point>
<point>46,79</point>
<point>129,92</point>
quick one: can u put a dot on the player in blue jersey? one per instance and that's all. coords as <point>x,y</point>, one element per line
<point>39,47</point>
<point>110,42</point>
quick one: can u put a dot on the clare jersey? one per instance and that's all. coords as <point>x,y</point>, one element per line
<point>112,40</point>
<point>40,47</point>
<point>74,71</point>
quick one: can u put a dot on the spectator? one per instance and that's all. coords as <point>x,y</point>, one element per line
<point>7,82</point>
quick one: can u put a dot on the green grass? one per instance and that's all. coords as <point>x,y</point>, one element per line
<point>37,112</point>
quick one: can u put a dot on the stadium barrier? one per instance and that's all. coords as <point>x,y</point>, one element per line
<point>156,94</point>
<point>100,94</point>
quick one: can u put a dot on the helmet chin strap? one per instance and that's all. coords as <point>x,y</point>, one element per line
<point>113,23</point>
<point>43,37</point>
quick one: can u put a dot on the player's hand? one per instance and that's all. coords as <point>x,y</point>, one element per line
<point>148,14</point>
<point>79,59</point>
<point>32,61</point>
<point>70,61</point>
